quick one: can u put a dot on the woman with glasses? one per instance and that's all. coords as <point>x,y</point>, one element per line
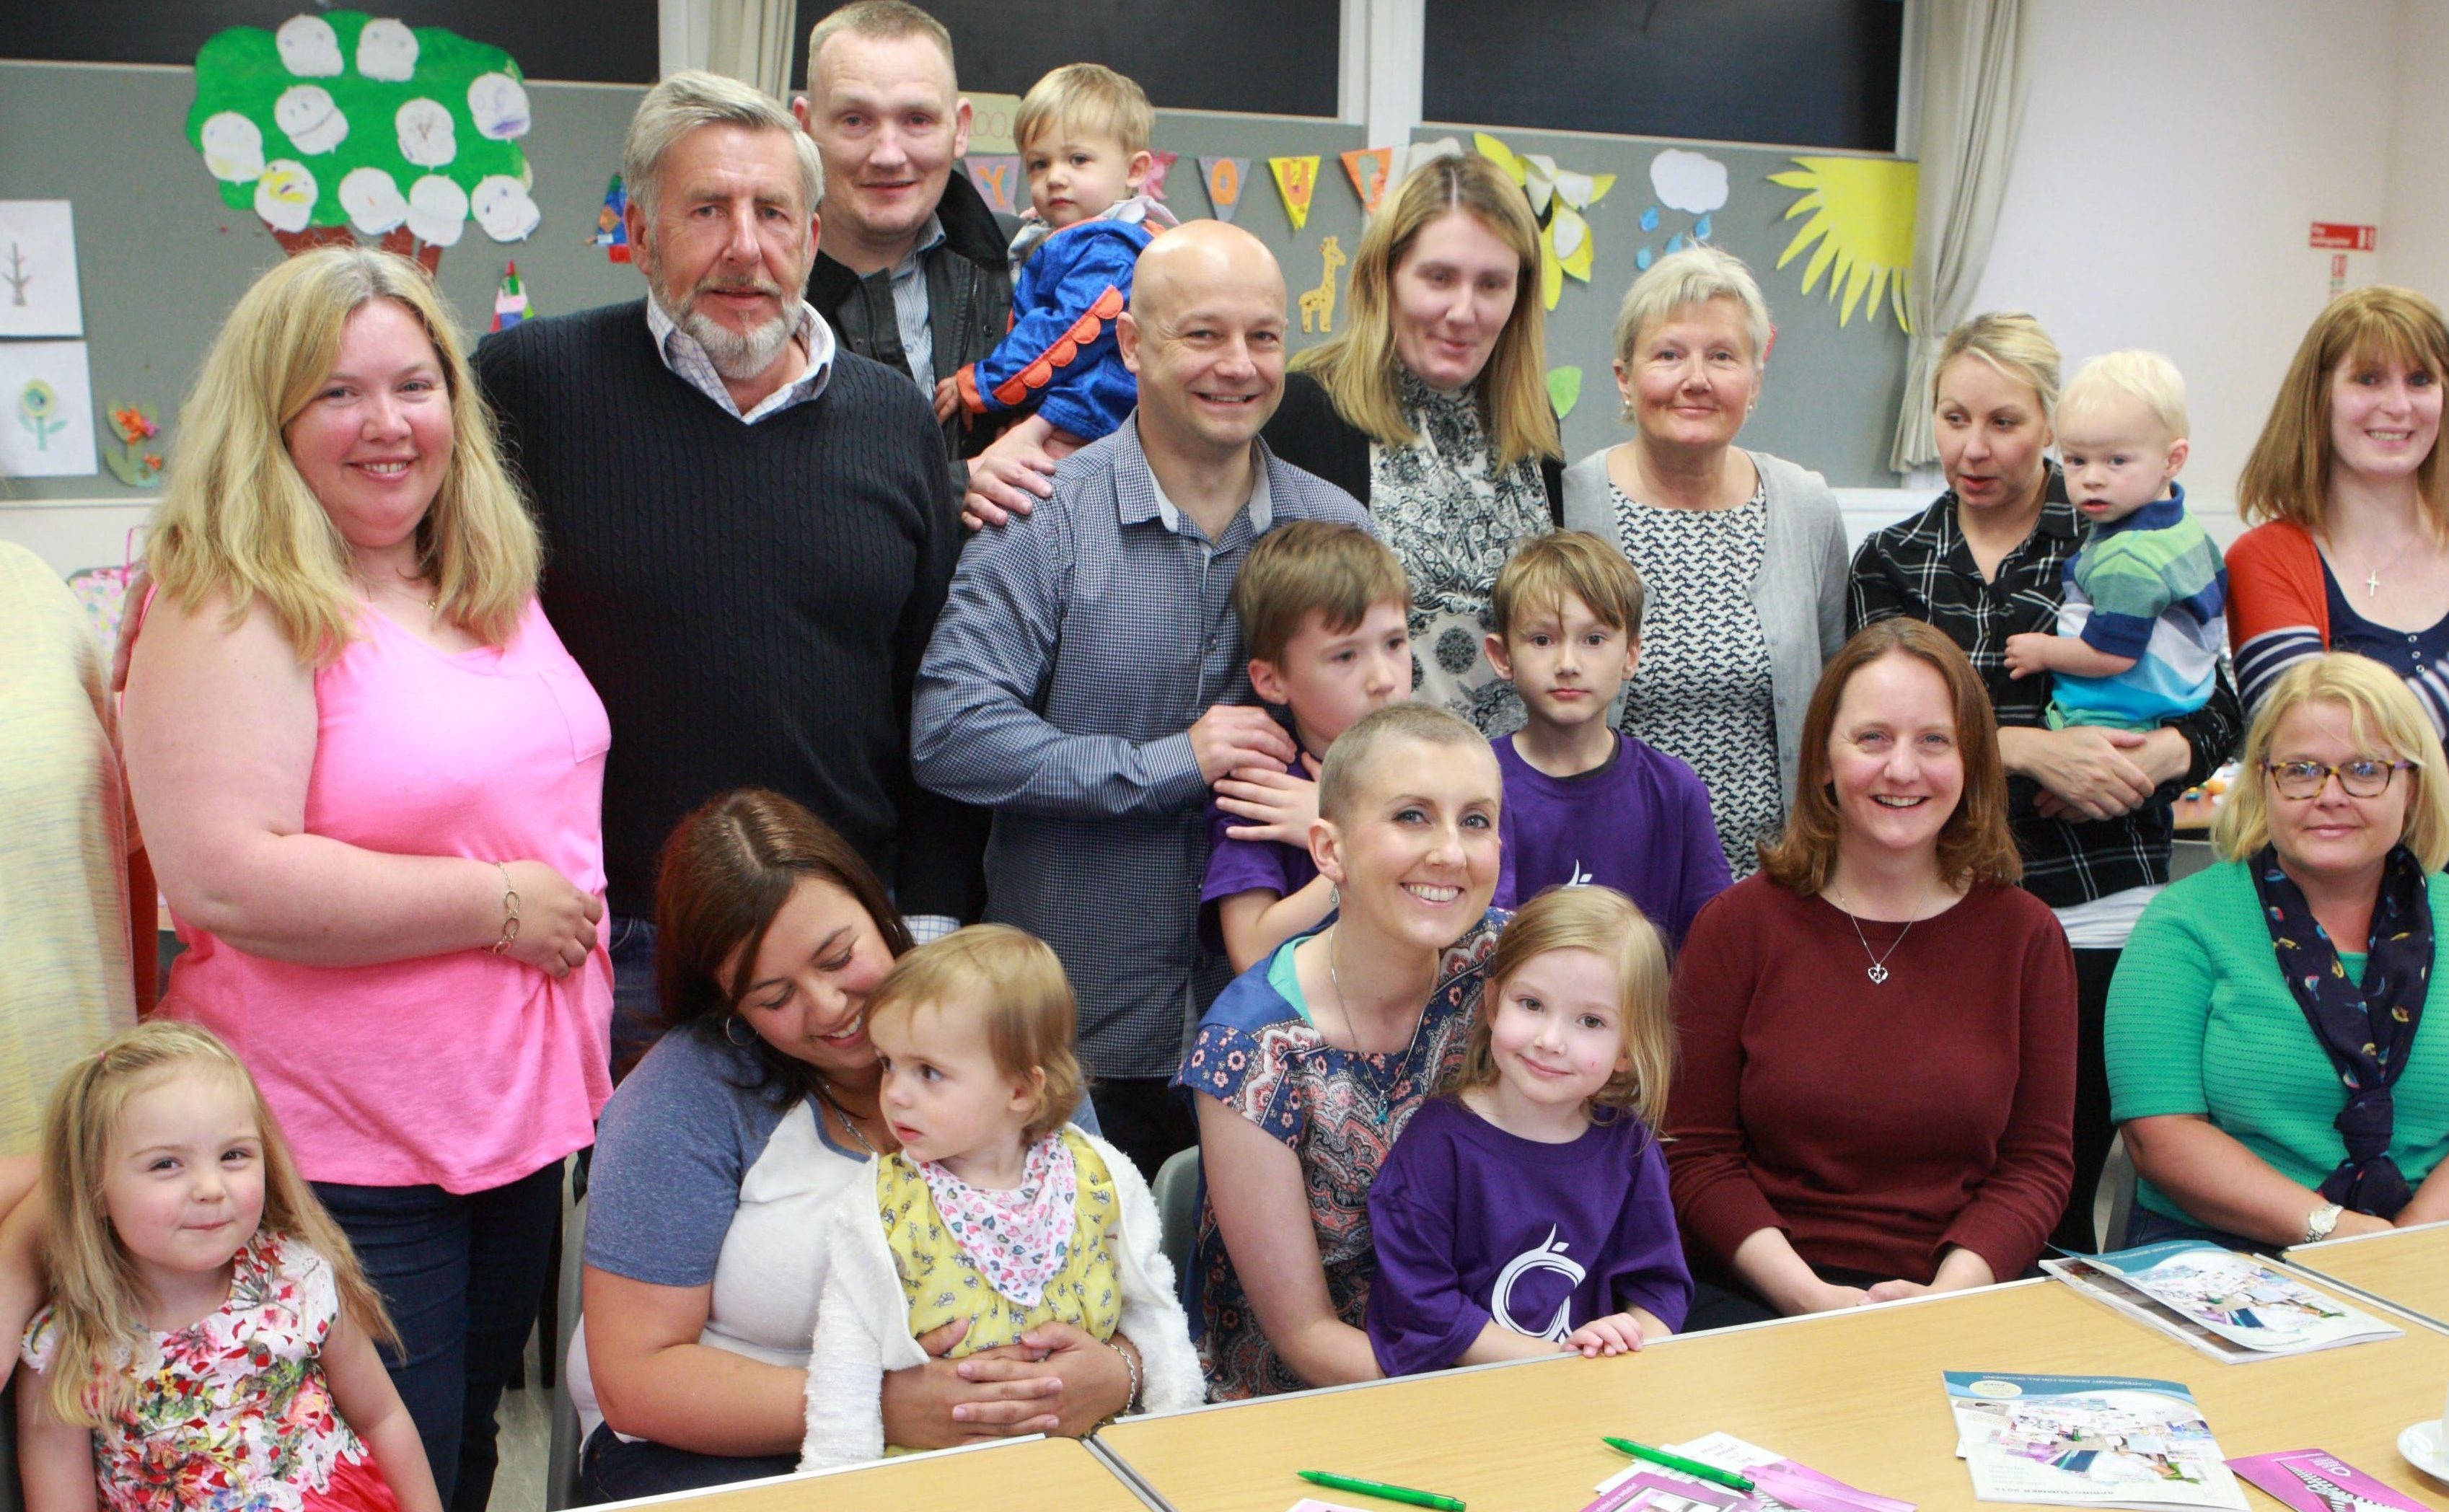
<point>2266,1058</point>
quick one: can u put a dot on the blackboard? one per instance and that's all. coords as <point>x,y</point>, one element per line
<point>1820,73</point>
<point>1266,57</point>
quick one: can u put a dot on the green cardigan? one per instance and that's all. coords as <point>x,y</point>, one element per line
<point>2200,1022</point>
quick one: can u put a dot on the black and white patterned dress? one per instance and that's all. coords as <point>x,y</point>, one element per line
<point>1702,693</point>
<point>1452,517</point>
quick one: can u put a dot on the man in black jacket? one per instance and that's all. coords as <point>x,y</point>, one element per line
<point>910,267</point>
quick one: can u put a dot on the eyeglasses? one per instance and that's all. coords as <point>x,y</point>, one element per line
<point>2361,778</point>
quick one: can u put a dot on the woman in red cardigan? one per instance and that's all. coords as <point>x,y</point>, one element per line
<point>2348,482</point>
<point>1877,1027</point>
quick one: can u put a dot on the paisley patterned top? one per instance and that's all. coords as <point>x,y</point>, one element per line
<point>1452,517</point>
<point>943,1279</point>
<point>1259,1055</point>
<point>232,1411</point>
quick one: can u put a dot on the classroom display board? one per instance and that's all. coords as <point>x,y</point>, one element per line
<point>117,194</point>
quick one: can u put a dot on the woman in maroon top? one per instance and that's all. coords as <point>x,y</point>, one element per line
<point>1877,1027</point>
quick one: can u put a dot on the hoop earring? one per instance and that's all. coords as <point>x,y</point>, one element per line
<point>736,1044</point>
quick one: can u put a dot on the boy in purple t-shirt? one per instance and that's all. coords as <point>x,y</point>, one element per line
<point>1583,802</point>
<point>1324,611</point>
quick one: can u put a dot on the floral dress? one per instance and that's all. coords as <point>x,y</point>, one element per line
<point>1007,1261</point>
<point>232,1412</point>
<point>1259,1055</point>
<point>1452,516</point>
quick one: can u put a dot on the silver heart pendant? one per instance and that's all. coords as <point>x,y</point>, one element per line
<point>1879,974</point>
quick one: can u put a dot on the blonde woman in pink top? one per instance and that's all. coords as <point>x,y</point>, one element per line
<point>371,780</point>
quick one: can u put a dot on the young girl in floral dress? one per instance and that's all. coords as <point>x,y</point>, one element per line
<point>210,1342</point>
<point>992,1213</point>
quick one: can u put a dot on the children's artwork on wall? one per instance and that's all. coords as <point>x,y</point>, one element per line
<point>998,179</point>
<point>136,458</point>
<point>38,269</point>
<point>612,223</point>
<point>1319,302</point>
<point>1224,177</point>
<point>45,409</point>
<point>1368,168</point>
<point>1297,181</point>
<point>1564,389</point>
<point>1160,163</point>
<point>1692,182</point>
<point>511,299</point>
<point>1559,197</point>
<point>400,136</point>
<point>1864,225</point>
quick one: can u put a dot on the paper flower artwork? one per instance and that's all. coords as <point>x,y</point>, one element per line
<point>1559,197</point>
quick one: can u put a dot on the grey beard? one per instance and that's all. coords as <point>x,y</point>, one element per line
<point>736,355</point>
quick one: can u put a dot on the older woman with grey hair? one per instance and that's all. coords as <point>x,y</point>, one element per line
<point>1743,553</point>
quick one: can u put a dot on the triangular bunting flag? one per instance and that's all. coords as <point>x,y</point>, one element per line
<point>611,223</point>
<point>511,299</point>
<point>998,179</point>
<point>1158,164</point>
<point>1224,178</point>
<point>1369,168</point>
<point>1295,180</point>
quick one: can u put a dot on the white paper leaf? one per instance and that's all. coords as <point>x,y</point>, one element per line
<point>372,201</point>
<point>308,117</point>
<point>503,208</point>
<point>309,48</point>
<point>426,136</point>
<point>437,210</point>
<point>387,50</point>
<point>233,148</point>
<point>498,106</point>
<point>285,195</point>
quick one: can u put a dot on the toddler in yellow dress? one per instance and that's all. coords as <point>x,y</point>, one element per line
<point>993,1210</point>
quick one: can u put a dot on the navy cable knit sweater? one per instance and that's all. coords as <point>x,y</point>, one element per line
<point>750,601</point>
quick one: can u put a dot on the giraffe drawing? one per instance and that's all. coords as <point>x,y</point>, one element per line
<point>1320,303</point>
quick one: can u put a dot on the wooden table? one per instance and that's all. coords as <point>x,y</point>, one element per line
<point>2405,1267</point>
<point>1856,1394</point>
<point>1058,1474</point>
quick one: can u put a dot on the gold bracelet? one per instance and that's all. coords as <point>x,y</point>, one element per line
<point>510,912</point>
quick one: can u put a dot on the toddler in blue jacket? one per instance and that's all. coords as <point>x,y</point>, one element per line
<point>1083,132</point>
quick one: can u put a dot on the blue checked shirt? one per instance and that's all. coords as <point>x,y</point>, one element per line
<point>1074,653</point>
<point>1922,568</point>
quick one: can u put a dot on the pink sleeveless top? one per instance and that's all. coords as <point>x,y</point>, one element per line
<point>463,1071</point>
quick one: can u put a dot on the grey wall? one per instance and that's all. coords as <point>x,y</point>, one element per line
<point>162,260</point>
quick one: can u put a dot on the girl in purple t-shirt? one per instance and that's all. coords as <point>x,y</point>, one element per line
<point>1528,1213</point>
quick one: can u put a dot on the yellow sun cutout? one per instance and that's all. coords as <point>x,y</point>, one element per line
<point>1864,226</point>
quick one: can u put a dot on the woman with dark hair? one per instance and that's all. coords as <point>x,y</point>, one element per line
<point>1858,1117</point>
<point>716,1158</point>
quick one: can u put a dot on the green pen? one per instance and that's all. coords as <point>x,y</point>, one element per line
<point>1379,1488</point>
<point>1676,1462</point>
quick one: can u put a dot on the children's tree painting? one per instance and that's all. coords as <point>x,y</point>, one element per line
<point>342,124</point>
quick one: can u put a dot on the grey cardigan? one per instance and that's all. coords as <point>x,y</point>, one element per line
<point>1800,593</point>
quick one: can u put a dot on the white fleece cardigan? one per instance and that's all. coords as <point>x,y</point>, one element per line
<point>863,1319</point>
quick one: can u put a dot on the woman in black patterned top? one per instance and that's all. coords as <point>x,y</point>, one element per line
<point>1743,553</point>
<point>1431,407</point>
<point>2089,806</point>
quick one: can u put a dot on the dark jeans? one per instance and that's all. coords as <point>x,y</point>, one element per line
<point>611,1470</point>
<point>2093,1129</point>
<point>462,1277</point>
<point>637,1007</point>
<point>1144,1117</point>
<point>2145,1227</point>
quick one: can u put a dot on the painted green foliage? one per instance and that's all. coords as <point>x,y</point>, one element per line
<point>343,119</point>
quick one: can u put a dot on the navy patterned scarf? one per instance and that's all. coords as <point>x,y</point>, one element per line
<point>2367,1031</point>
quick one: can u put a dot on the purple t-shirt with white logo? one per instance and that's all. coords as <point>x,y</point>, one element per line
<point>1471,1223</point>
<point>1639,824</point>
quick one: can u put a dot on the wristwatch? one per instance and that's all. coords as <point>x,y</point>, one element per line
<point>2319,1222</point>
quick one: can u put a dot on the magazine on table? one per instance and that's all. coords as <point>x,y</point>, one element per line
<point>2315,1481</point>
<point>2087,1441</point>
<point>2231,1307</point>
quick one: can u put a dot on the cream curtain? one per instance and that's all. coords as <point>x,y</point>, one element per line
<point>750,40</point>
<point>1975,64</point>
